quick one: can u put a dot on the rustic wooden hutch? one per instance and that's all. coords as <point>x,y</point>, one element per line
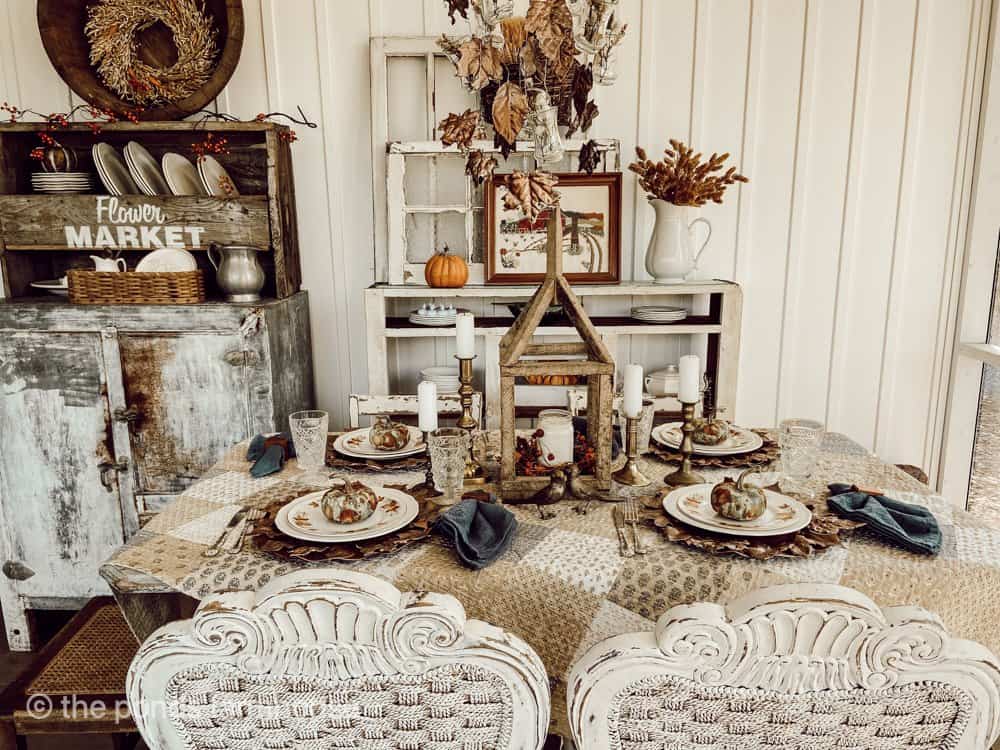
<point>109,411</point>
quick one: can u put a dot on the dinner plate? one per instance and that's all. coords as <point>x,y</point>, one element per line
<point>303,518</point>
<point>740,440</point>
<point>145,170</point>
<point>181,175</point>
<point>215,179</point>
<point>112,171</point>
<point>693,506</point>
<point>55,286</point>
<point>356,444</point>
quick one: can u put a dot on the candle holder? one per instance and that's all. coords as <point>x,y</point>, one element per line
<point>684,476</point>
<point>474,473</point>
<point>429,475</point>
<point>630,474</point>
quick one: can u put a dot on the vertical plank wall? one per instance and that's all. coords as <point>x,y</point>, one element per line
<point>855,120</point>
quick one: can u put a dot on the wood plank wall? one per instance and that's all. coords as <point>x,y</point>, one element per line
<point>855,120</point>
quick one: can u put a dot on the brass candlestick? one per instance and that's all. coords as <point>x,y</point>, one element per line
<point>474,473</point>
<point>630,474</point>
<point>429,476</point>
<point>684,476</point>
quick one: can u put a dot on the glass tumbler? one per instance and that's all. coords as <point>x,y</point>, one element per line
<point>800,441</point>
<point>449,447</point>
<point>309,430</point>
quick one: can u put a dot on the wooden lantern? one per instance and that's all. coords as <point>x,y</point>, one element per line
<point>598,368</point>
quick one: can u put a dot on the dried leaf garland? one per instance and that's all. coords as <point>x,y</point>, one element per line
<point>590,157</point>
<point>531,192</point>
<point>514,36</point>
<point>480,167</point>
<point>682,178</point>
<point>479,62</point>
<point>504,147</point>
<point>459,129</point>
<point>583,84</point>
<point>510,110</point>
<point>585,119</point>
<point>552,24</point>
<point>458,6</point>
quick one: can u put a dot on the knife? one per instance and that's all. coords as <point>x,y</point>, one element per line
<point>619,519</point>
<point>216,548</point>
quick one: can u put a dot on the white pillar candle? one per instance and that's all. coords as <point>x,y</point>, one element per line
<point>465,339</point>
<point>690,371</point>
<point>632,402</point>
<point>427,397</point>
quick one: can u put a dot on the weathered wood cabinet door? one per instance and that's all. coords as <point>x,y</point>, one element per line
<point>59,497</point>
<point>188,397</point>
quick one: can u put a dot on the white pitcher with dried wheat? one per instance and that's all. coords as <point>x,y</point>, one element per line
<point>674,185</point>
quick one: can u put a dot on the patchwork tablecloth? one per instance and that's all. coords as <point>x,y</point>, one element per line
<point>562,586</point>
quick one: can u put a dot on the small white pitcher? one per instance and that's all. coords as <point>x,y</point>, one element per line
<point>109,265</point>
<point>670,257</point>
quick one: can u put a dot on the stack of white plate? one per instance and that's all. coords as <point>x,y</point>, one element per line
<point>435,315</point>
<point>445,378</point>
<point>61,182</point>
<point>654,314</point>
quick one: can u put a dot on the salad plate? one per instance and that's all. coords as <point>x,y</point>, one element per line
<point>693,506</point>
<point>356,444</point>
<point>740,440</point>
<point>303,518</point>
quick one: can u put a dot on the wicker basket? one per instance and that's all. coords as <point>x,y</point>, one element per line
<point>131,288</point>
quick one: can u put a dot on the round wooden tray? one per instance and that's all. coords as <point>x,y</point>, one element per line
<point>61,24</point>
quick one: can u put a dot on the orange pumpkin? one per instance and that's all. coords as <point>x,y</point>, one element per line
<point>552,379</point>
<point>446,271</point>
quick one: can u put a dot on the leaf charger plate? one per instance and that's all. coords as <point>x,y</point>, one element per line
<point>693,506</point>
<point>303,518</point>
<point>356,444</point>
<point>740,440</point>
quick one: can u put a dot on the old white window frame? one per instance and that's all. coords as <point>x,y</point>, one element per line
<point>392,208</point>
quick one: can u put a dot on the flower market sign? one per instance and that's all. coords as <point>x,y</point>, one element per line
<point>141,226</point>
<point>131,222</point>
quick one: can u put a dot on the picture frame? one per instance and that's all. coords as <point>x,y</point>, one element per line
<point>591,205</point>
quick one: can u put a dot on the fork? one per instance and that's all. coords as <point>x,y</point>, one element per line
<point>218,544</point>
<point>632,519</point>
<point>619,519</point>
<point>252,516</point>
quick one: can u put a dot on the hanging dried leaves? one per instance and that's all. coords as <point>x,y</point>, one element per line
<point>451,46</point>
<point>583,83</point>
<point>510,110</point>
<point>552,24</point>
<point>585,119</point>
<point>590,157</point>
<point>505,148</point>
<point>458,6</point>
<point>682,178</point>
<point>480,167</point>
<point>514,36</point>
<point>531,192</point>
<point>459,129</point>
<point>479,62</point>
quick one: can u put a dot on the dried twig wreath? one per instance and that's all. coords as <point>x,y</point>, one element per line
<point>111,31</point>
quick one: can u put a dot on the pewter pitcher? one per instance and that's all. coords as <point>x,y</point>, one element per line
<point>237,271</point>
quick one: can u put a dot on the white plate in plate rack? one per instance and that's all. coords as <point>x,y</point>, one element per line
<point>112,170</point>
<point>693,506</point>
<point>181,175</point>
<point>145,170</point>
<point>303,518</point>
<point>740,440</point>
<point>215,179</point>
<point>356,444</point>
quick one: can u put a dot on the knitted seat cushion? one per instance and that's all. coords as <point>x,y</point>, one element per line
<point>677,714</point>
<point>452,707</point>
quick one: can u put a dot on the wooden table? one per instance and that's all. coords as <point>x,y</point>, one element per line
<point>563,586</point>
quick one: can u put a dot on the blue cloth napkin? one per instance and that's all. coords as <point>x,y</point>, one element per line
<point>269,453</point>
<point>479,531</point>
<point>910,526</point>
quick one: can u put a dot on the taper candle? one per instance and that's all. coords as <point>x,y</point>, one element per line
<point>690,386</point>
<point>427,396</point>
<point>632,401</point>
<point>465,339</point>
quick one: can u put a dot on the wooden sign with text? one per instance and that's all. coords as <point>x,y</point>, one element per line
<point>89,222</point>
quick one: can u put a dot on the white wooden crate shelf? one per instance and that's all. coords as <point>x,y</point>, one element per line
<point>721,326</point>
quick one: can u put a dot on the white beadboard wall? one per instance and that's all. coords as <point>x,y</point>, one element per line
<point>854,119</point>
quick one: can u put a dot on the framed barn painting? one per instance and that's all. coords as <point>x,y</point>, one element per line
<point>591,206</point>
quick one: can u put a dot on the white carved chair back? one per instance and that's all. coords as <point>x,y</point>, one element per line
<point>801,667</point>
<point>449,404</point>
<point>332,658</point>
